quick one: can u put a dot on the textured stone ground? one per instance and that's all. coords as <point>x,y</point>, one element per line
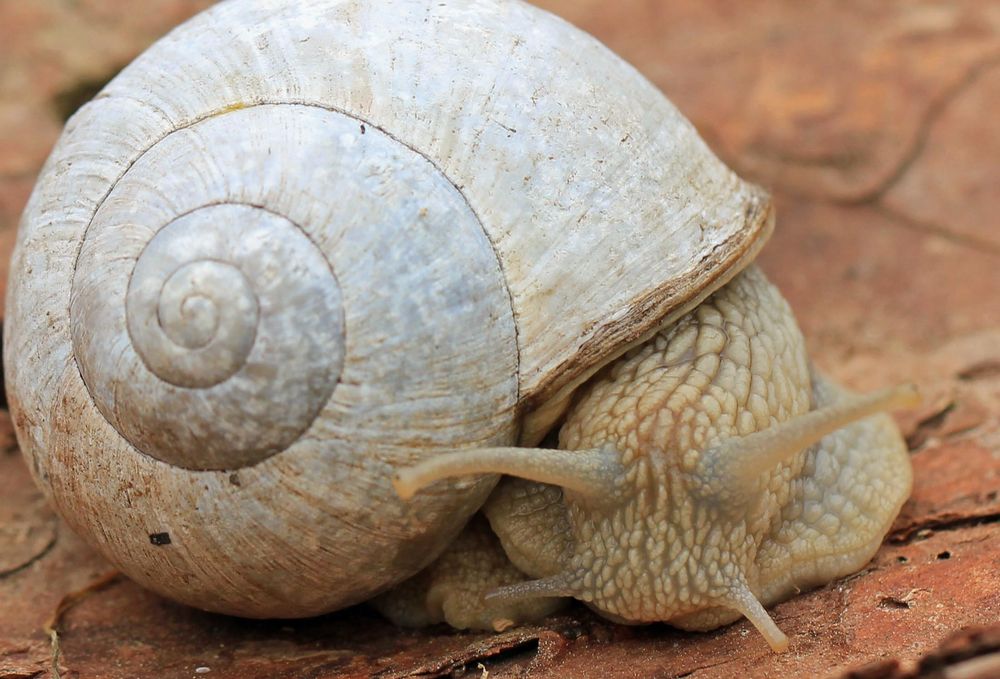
<point>873,121</point>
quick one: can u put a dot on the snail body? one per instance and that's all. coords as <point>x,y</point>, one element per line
<point>296,248</point>
<point>707,473</point>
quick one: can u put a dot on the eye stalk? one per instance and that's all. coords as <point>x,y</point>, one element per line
<point>727,474</point>
<point>594,474</point>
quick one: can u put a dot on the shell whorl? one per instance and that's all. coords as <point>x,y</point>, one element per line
<point>229,310</point>
<point>284,291</point>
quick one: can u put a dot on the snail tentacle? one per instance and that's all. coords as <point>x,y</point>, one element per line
<point>743,600</point>
<point>728,472</point>
<point>593,474</point>
<point>556,586</point>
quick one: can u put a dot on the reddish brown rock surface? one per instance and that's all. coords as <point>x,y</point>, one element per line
<point>874,122</point>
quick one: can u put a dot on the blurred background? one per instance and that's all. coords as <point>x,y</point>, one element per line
<point>875,124</point>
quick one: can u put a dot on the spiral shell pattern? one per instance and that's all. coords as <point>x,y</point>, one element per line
<point>229,310</point>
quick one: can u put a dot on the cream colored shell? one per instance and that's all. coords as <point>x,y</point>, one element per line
<point>296,245</point>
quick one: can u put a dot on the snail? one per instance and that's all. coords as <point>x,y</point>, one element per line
<point>302,260</point>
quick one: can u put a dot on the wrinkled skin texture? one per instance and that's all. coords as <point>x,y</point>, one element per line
<point>451,589</point>
<point>674,541</point>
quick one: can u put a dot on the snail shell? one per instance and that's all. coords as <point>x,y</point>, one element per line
<point>296,245</point>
